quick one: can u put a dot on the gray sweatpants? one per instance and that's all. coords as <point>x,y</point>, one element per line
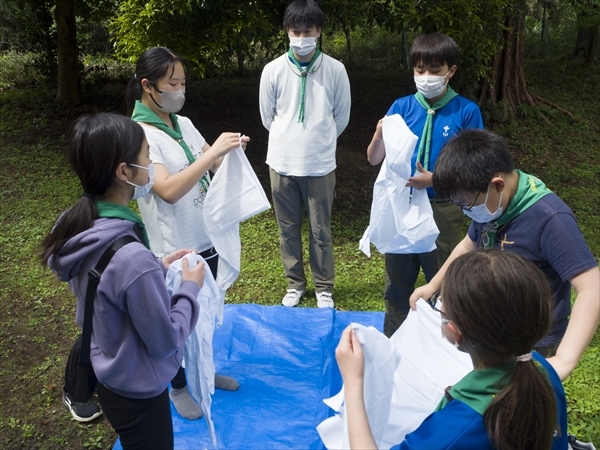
<point>316,194</point>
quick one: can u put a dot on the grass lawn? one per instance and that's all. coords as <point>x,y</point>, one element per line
<point>37,311</point>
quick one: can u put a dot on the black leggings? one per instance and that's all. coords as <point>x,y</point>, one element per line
<point>140,423</point>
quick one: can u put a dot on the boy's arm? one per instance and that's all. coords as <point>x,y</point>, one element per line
<point>376,149</point>
<point>341,102</point>
<point>473,119</point>
<point>582,324</point>
<point>266,99</point>
<point>425,292</point>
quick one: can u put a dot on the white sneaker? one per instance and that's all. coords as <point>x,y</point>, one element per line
<point>324,300</point>
<point>292,298</point>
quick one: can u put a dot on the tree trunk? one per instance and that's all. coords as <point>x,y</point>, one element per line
<point>506,83</point>
<point>348,45</point>
<point>67,52</point>
<point>587,43</point>
<point>592,47</point>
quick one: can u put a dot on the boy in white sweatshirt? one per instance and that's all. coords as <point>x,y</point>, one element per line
<point>305,105</point>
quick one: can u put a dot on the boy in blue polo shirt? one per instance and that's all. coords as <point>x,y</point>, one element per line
<point>434,114</point>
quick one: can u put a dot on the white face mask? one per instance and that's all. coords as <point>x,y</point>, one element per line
<point>431,86</point>
<point>302,46</point>
<point>171,101</point>
<point>142,191</point>
<point>481,213</point>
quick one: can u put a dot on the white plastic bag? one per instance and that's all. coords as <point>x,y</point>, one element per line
<point>424,364</point>
<point>401,218</point>
<point>198,349</point>
<point>235,194</point>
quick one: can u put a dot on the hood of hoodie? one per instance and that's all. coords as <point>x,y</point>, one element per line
<point>69,260</point>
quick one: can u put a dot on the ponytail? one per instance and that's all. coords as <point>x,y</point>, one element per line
<point>133,93</point>
<point>75,220</point>
<point>523,414</point>
<point>97,145</point>
<point>502,305</point>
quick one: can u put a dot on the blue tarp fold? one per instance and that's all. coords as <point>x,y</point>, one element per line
<point>284,361</point>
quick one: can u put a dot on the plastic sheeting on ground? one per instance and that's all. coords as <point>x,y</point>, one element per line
<point>284,361</point>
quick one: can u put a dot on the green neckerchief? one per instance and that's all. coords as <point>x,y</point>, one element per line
<point>425,143</point>
<point>304,71</point>
<point>141,113</point>
<point>529,190</point>
<point>478,388</point>
<point>110,210</point>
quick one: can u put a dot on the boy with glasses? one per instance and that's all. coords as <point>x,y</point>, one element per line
<point>515,212</point>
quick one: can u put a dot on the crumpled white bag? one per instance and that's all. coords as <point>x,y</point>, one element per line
<point>381,360</point>
<point>401,218</point>
<point>424,364</point>
<point>198,349</point>
<point>235,194</point>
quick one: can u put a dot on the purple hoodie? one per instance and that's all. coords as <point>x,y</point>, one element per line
<point>138,330</point>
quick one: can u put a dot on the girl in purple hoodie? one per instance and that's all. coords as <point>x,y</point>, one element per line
<point>138,329</point>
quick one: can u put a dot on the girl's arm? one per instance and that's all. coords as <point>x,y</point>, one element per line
<point>171,188</point>
<point>351,362</point>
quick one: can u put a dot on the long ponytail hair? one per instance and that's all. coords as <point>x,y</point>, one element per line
<point>153,65</point>
<point>501,304</point>
<point>98,144</point>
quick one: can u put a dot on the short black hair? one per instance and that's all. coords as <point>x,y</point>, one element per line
<point>303,12</point>
<point>469,161</point>
<point>434,49</point>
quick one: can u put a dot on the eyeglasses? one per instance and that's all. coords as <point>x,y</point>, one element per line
<point>437,297</point>
<point>465,207</point>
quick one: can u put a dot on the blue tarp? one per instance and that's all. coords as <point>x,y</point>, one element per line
<point>284,361</point>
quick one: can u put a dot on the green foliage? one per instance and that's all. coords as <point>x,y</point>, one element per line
<point>18,69</point>
<point>372,48</point>
<point>588,13</point>
<point>214,36</point>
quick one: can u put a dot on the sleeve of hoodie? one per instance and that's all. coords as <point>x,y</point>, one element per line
<point>163,323</point>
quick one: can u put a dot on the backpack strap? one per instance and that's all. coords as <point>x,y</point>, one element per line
<point>94,279</point>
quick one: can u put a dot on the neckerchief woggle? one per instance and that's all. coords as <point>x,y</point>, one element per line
<point>304,71</point>
<point>529,190</point>
<point>141,113</point>
<point>423,154</point>
<point>110,210</point>
<point>478,388</point>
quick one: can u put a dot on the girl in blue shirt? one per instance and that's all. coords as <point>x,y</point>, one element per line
<point>496,305</point>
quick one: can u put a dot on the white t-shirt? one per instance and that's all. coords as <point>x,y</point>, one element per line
<point>180,225</point>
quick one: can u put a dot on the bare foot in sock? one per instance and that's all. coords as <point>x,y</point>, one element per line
<point>226,383</point>
<point>184,403</point>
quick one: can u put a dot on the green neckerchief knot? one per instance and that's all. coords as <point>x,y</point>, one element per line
<point>529,190</point>
<point>141,113</point>
<point>478,388</point>
<point>423,154</point>
<point>110,210</point>
<point>304,71</point>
